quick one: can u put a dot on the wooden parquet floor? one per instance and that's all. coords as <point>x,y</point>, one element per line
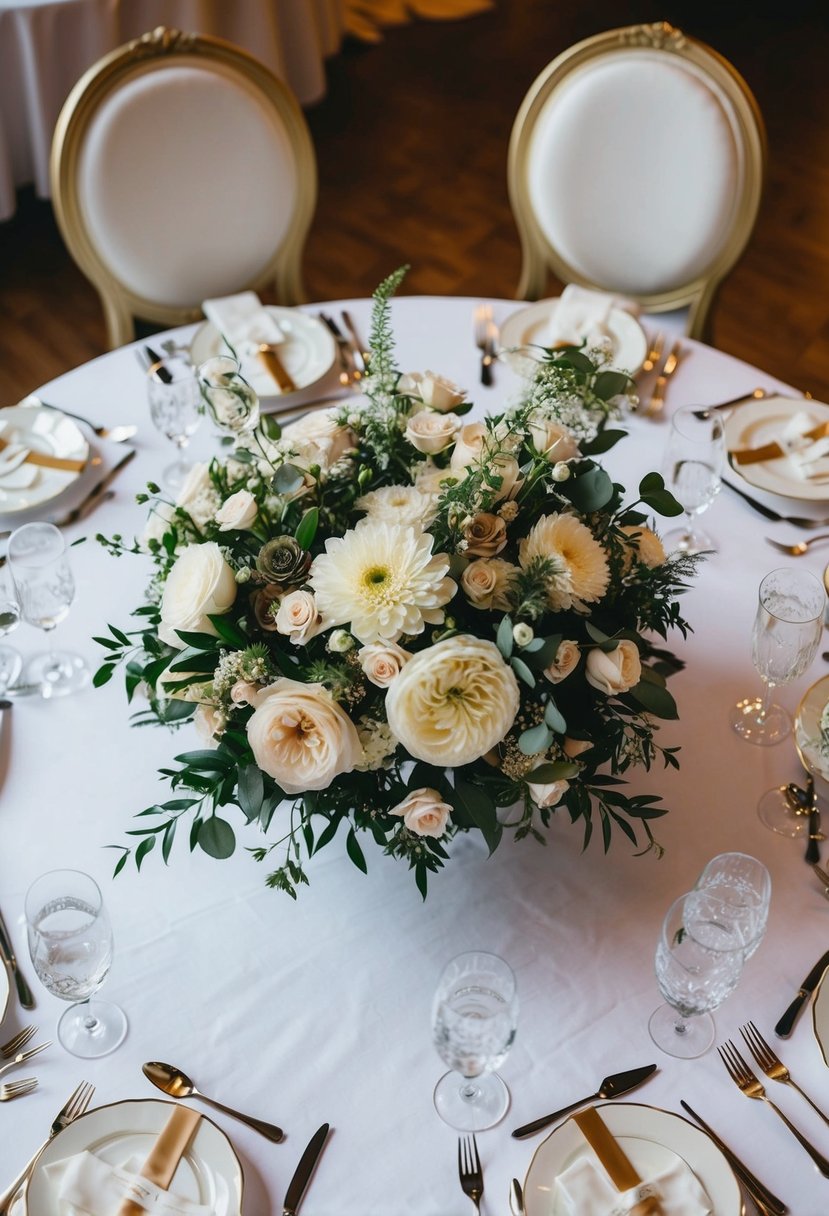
<point>411,141</point>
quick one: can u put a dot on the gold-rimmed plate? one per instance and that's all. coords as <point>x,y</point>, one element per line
<point>209,1172</point>
<point>532,326</point>
<point>4,991</point>
<point>820,1017</point>
<point>813,752</point>
<point>757,423</point>
<point>650,1137</point>
<point>51,433</point>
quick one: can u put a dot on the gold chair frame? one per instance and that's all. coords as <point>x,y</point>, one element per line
<point>539,258</point>
<point>155,51</point>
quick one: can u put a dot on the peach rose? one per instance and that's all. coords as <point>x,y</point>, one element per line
<point>567,657</point>
<point>485,535</point>
<point>486,583</point>
<point>549,793</point>
<point>469,445</point>
<point>424,812</point>
<point>551,439</point>
<point>297,617</point>
<point>649,548</point>
<point>615,671</point>
<point>437,392</point>
<point>382,662</point>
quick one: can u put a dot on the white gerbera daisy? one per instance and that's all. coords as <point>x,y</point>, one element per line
<point>382,580</point>
<point>582,574</point>
<point>399,505</point>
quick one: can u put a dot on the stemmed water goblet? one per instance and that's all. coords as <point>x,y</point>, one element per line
<point>474,1017</point>
<point>787,629</point>
<point>743,885</point>
<point>233,404</point>
<point>174,399</point>
<point>70,943</point>
<point>692,469</point>
<point>698,962</point>
<point>45,589</point>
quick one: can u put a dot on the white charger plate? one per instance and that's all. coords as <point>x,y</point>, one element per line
<point>209,1172</point>
<point>758,422</point>
<point>644,1133</point>
<point>4,991</point>
<point>531,327</point>
<point>46,430</point>
<point>820,1017</point>
<point>807,727</point>
<point>308,351</point>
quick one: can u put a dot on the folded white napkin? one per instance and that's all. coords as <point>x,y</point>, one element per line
<point>802,453</point>
<point>88,1186</point>
<point>583,315</point>
<point>15,473</point>
<point>245,322</point>
<point>583,1189</point>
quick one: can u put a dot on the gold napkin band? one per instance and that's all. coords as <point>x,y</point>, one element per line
<point>771,451</point>
<point>164,1156</point>
<point>50,462</point>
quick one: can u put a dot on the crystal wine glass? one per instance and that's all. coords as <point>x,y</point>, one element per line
<point>174,398</point>
<point>698,962</point>
<point>233,404</point>
<point>45,589</point>
<point>474,1017</point>
<point>692,468</point>
<point>787,630</point>
<point>70,943</point>
<point>743,884</point>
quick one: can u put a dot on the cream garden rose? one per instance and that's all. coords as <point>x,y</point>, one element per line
<point>486,583</point>
<point>430,432</point>
<point>551,439</point>
<point>382,662</point>
<point>566,660</point>
<point>301,737</point>
<point>424,812</point>
<point>297,617</point>
<point>201,584</point>
<point>469,445</point>
<point>237,513</point>
<point>548,793</point>
<point>318,438</point>
<point>615,671</point>
<point>438,392</point>
<point>453,702</point>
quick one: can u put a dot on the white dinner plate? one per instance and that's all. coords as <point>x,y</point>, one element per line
<point>531,327</point>
<point>644,1133</point>
<point>43,430</point>
<point>759,422</point>
<point>308,352</point>
<point>807,734</point>
<point>820,1017</point>
<point>4,991</point>
<point>208,1173</point>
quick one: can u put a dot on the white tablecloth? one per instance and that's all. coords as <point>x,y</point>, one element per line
<point>47,45</point>
<point>319,1010</point>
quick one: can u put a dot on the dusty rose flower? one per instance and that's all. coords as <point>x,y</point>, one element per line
<point>485,535</point>
<point>297,616</point>
<point>430,432</point>
<point>567,657</point>
<point>382,662</point>
<point>424,812</point>
<point>615,671</point>
<point>486,583</point>
<point>261,602</point>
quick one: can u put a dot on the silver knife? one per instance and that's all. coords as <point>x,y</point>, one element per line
<point>303,1172</point>
<point>7,955</point>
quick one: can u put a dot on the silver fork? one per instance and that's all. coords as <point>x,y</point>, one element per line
<point>17,1089</point>
<point>22,1056</point>
<point>485,339</point>
<point>747,1083</point>
<point>17,1041</point>
<point>771,1064</point>
<point>469,1169</point>
<point>74,1106</point>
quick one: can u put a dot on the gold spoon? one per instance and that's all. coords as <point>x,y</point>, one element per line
<point>177,1084</point>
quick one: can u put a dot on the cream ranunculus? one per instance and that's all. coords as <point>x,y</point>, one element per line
<point>424,812</point>
<point>469,445</point>
<point>551,439</point>
<point>548,794</point>
<point>201,584</point>
<point>435,391</point>
<point>382,662</point>
<point>615,671</point>
<point>453,702</point>
<point>485,535</point>
<point>237,513</point>
<point>648,547</point>
<point>297,617</point>
<point>567,657</point>
<point>301,737</point>
<point>430,432</point>
<point>486,583</point>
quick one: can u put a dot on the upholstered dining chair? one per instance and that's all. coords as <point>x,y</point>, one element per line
<point>182,169</point>
<point>636,166</point>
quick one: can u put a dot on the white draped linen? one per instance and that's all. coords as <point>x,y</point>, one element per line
<point>47,45</point>
<point>319,1010</point>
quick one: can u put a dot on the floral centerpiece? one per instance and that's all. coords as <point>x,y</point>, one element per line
<point>391,623</point>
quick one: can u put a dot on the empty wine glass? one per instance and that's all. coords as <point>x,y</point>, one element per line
<point>692,469</point>
<point>699,960</point>
<point>785,637</point>
<point>70,943</point>
<point>10,661</point>
<point>474,1016</point>
<point>175,407</point>
<point>743,885</point>
<point>45,589</point>
<point>233,404</point>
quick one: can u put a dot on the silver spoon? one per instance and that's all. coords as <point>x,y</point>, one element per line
<point>177,1084</point>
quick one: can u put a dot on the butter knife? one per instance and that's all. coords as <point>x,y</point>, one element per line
<point>670,365</point>
<point>751,1182</point>
<point>7,955</point>
<point>303,1172</point>
<point>786,1024</point>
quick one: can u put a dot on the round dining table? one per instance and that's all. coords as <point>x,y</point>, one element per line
<point>318,1010</point>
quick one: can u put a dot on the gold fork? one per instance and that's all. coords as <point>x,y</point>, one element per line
<point>799,547</point>
<point>747,1083</point>
<point>670,365</point>
<point>485,337</point>
<point>772,1065</point>
<point>17,1089</point>
<point>469,1169</point>
<point>652,357</point>
<point>17,1041</point>
<point>75,1105</point>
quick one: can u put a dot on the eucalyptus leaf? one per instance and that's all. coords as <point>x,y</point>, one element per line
<point>535,740</point>
<point>589,491</point>
<point>216,838</point>
<point>554,718</point>
<point>287,479</point>
<point>504,638</point>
